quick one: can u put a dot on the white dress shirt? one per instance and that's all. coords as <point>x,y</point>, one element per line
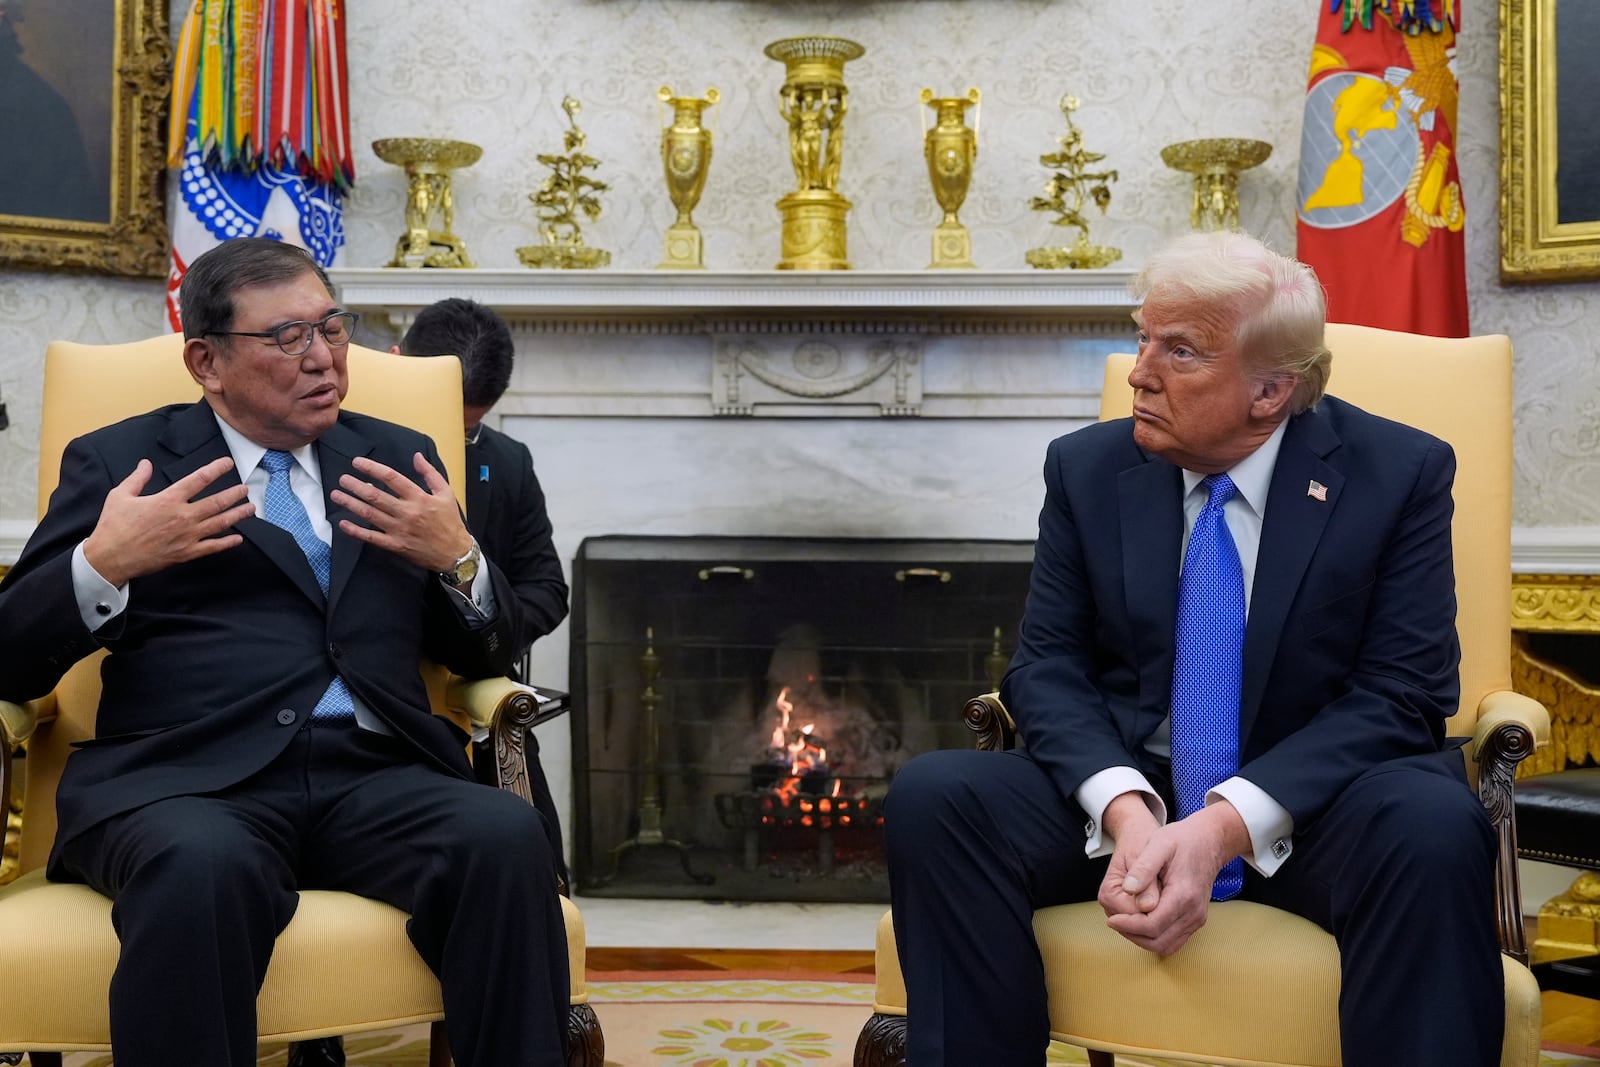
<point>1270,825</point>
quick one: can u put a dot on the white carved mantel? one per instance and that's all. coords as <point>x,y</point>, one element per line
<point>769,343</point>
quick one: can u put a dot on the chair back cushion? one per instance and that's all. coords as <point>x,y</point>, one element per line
<point>90,386</point>
<point>1459,390</point>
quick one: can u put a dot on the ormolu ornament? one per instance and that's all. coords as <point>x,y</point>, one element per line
<point>950,148</point>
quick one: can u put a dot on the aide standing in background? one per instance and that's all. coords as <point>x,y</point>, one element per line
<point>505,506</point>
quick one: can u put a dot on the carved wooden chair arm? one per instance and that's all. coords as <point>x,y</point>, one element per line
<point>1510,726</point>
<point>986,717</point>
<point>507,709</point>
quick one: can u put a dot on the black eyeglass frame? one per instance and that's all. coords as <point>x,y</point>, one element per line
<point>275,334</point>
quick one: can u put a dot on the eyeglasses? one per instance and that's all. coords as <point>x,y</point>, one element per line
<point>294,338</point>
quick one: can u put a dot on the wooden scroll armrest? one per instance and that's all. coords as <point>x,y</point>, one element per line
<point>986,717</point>
<point>1510,726</point>
<point>507,710</point>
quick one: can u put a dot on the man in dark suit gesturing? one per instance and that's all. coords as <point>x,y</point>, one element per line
<point>1232,678</point>
<point>266,572</point>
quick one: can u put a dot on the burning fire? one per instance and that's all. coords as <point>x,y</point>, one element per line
<point>803,752</point>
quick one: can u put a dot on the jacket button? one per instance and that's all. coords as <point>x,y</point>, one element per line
<point>286,717</point>
<point>335,649</point>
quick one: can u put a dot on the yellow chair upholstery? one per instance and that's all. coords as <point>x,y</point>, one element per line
<point>1286,969</point>
<point>344,964</point>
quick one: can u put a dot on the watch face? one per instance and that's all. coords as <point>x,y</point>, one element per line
<point>465,570</point>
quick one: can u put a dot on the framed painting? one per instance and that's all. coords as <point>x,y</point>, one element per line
<point>84,85</point>
<point>1549,144</point>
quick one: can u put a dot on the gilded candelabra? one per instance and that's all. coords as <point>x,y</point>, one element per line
<point>1070,189</point>
<point>951,147</point>
<point>1215,163</point>
<point>813,101</point>
<point>565,194</point>
<point>686,157</point>
<point>428,162</point>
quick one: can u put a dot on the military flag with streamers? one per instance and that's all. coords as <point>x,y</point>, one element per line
<point>1379,198</point>
<point>260,129</point>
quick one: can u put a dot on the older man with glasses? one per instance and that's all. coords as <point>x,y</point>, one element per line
<point>291,563</point>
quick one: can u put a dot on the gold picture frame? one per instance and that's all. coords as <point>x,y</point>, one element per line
<point>1539,240</point>
<point>113,156</point>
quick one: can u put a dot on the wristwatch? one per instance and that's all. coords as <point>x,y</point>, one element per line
<point>465,568</point>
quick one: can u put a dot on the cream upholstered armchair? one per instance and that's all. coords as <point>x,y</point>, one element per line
<point>344,964</point>
<point>1456,389</point>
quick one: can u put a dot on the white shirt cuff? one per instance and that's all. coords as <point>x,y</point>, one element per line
<point>1270,824</point>
<point>479,597</point>
<point>1096,794</point>
<point>98,600</point>
<point>482,593</point>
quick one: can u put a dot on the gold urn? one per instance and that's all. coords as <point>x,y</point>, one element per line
<point>1215,163</point>
<point>813,101</point>
<point>428,162</point>
<point>685,157</point>
<point>950,147</point>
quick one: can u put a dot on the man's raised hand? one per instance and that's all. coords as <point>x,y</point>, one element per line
<point>422,525</point>
<point>138,535</point>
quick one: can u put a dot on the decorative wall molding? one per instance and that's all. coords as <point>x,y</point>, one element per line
<point>883,376</point>
<point>1555,550</point>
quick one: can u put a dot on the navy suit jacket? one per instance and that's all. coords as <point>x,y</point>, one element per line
<point>506,511</point>
<point>217,662</point>
<point>1350,654</point>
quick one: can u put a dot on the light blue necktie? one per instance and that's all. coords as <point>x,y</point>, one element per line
<point>284,510</point>
<point>1208,667</point>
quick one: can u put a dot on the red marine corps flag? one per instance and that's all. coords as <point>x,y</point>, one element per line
<point>1379,196</point>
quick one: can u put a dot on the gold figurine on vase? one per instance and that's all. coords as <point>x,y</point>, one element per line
<point>814,101</point>
<point>1215,163</point>
<point>951,147</point>
<point>686,157</point>
<point>1067,193</point>
<point>564,194</point>
<point>428,162</point>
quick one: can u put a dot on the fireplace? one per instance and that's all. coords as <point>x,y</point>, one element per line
<point>741,704</point>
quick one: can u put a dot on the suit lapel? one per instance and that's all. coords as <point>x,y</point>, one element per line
<point>336,450</point>
<point>1150,510</point>
<point>193,440</point>
<point>1292,528</point>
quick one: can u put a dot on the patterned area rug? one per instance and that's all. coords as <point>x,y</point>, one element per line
<point>657,1019</point>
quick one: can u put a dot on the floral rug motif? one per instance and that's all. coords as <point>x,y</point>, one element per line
<point>672,1020</point>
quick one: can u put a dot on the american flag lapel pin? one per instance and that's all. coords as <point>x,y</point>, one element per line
<point>1317,491</point>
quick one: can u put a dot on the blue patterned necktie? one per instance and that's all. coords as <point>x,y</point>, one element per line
<point>284,510</point>
<point>1208,666</point>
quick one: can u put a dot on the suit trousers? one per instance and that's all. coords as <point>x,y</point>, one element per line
<point>544,802</point>
<point>202,885</point>
<point>1399,869</point>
